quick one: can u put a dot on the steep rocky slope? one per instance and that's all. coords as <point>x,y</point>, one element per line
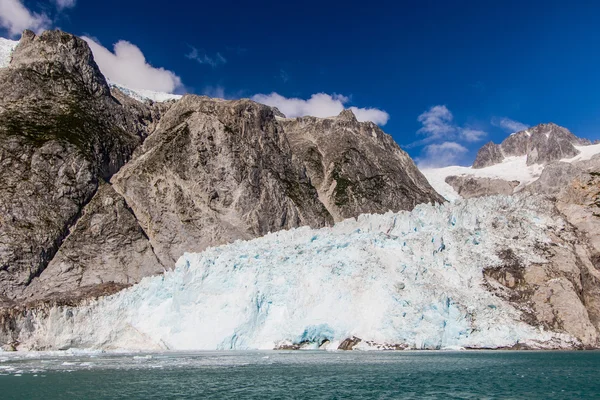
<point>213,172</point>
<point>61,131</point>
<point>356,167</point>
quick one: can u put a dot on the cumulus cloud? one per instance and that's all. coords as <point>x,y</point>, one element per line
<point>15,18</point>
<point>127,66</point>
<point>320,105</point>
<point>441,154</point>
<point>204,58</point>
<point>61,4</point>
<point>509,125</point>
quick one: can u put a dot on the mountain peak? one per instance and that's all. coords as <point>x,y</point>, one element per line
<point>56,53</point>
<point>541,144</point>
<point>347,115</point>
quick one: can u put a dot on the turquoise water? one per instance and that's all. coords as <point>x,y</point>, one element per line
<point>302,375</point>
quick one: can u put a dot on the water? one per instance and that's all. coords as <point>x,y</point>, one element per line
<point>302,375</point>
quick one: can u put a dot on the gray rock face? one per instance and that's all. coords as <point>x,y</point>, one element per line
<point>470,186</point>
<point>215,171</point>
<point>541,144</point>
<point>106,245</point>
<point>60,132</point>
<point>489,154</point>
<point>356,167</point>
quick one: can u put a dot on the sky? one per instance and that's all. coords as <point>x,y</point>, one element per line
<point>441,77</point>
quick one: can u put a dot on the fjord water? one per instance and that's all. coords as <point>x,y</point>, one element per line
<point>302,374</point>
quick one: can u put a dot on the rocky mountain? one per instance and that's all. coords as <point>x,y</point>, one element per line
<point>541,144</point>
<point>513,165</point>
<point>356,167</point>
<point>99,189</point>
<point>61,134</point>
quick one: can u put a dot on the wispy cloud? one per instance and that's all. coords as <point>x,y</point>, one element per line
<point>15,18</point>
<point>320,105</point>
<point>437,123</point>
<point>442,137</point>
<point>284,76</point>
<point>441,155</point>
<point>202,58</point>
<point>214,91</point>
<point>127,65</point>
<point>509,125</point>
<point>62,4</point>
<point>471,134</point>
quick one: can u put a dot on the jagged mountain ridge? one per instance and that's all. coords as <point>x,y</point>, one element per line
<point>541,144</point>
<point>513,165</point>
<point>209,172</point>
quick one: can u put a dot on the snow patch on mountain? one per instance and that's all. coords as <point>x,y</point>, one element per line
<point>143,94</point>
<point>510,169</point>
<point>413,279</point>
<point>6,49</point>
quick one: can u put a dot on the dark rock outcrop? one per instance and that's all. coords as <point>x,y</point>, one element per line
<point>541,144</point>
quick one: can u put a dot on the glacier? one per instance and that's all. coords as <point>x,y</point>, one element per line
<point>7,47</point>
<point>410,279</point>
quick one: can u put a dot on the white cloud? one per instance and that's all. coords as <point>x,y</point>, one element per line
<point>443,138</point>
<point>437,123</point>
<point>441,155</point>
<point>15,18</point>
<point>128,66</point>
<point>438,126</point>
<point>471,134</point>
<point>320,105</point>
<point>61,4</point>
<point>203,58</point>
<point>509,125</point>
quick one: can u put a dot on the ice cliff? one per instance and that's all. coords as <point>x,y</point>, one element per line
<point>399,280</point>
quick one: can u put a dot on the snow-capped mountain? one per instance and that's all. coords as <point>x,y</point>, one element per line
<point>512,169</point>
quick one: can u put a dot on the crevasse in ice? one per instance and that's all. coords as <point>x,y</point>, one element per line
<point>412,278</point>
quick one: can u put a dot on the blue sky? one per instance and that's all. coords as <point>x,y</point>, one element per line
<point>450,76</point>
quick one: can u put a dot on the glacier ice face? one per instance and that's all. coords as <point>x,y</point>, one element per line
<point>407,278</point>
<point>6,48</point>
